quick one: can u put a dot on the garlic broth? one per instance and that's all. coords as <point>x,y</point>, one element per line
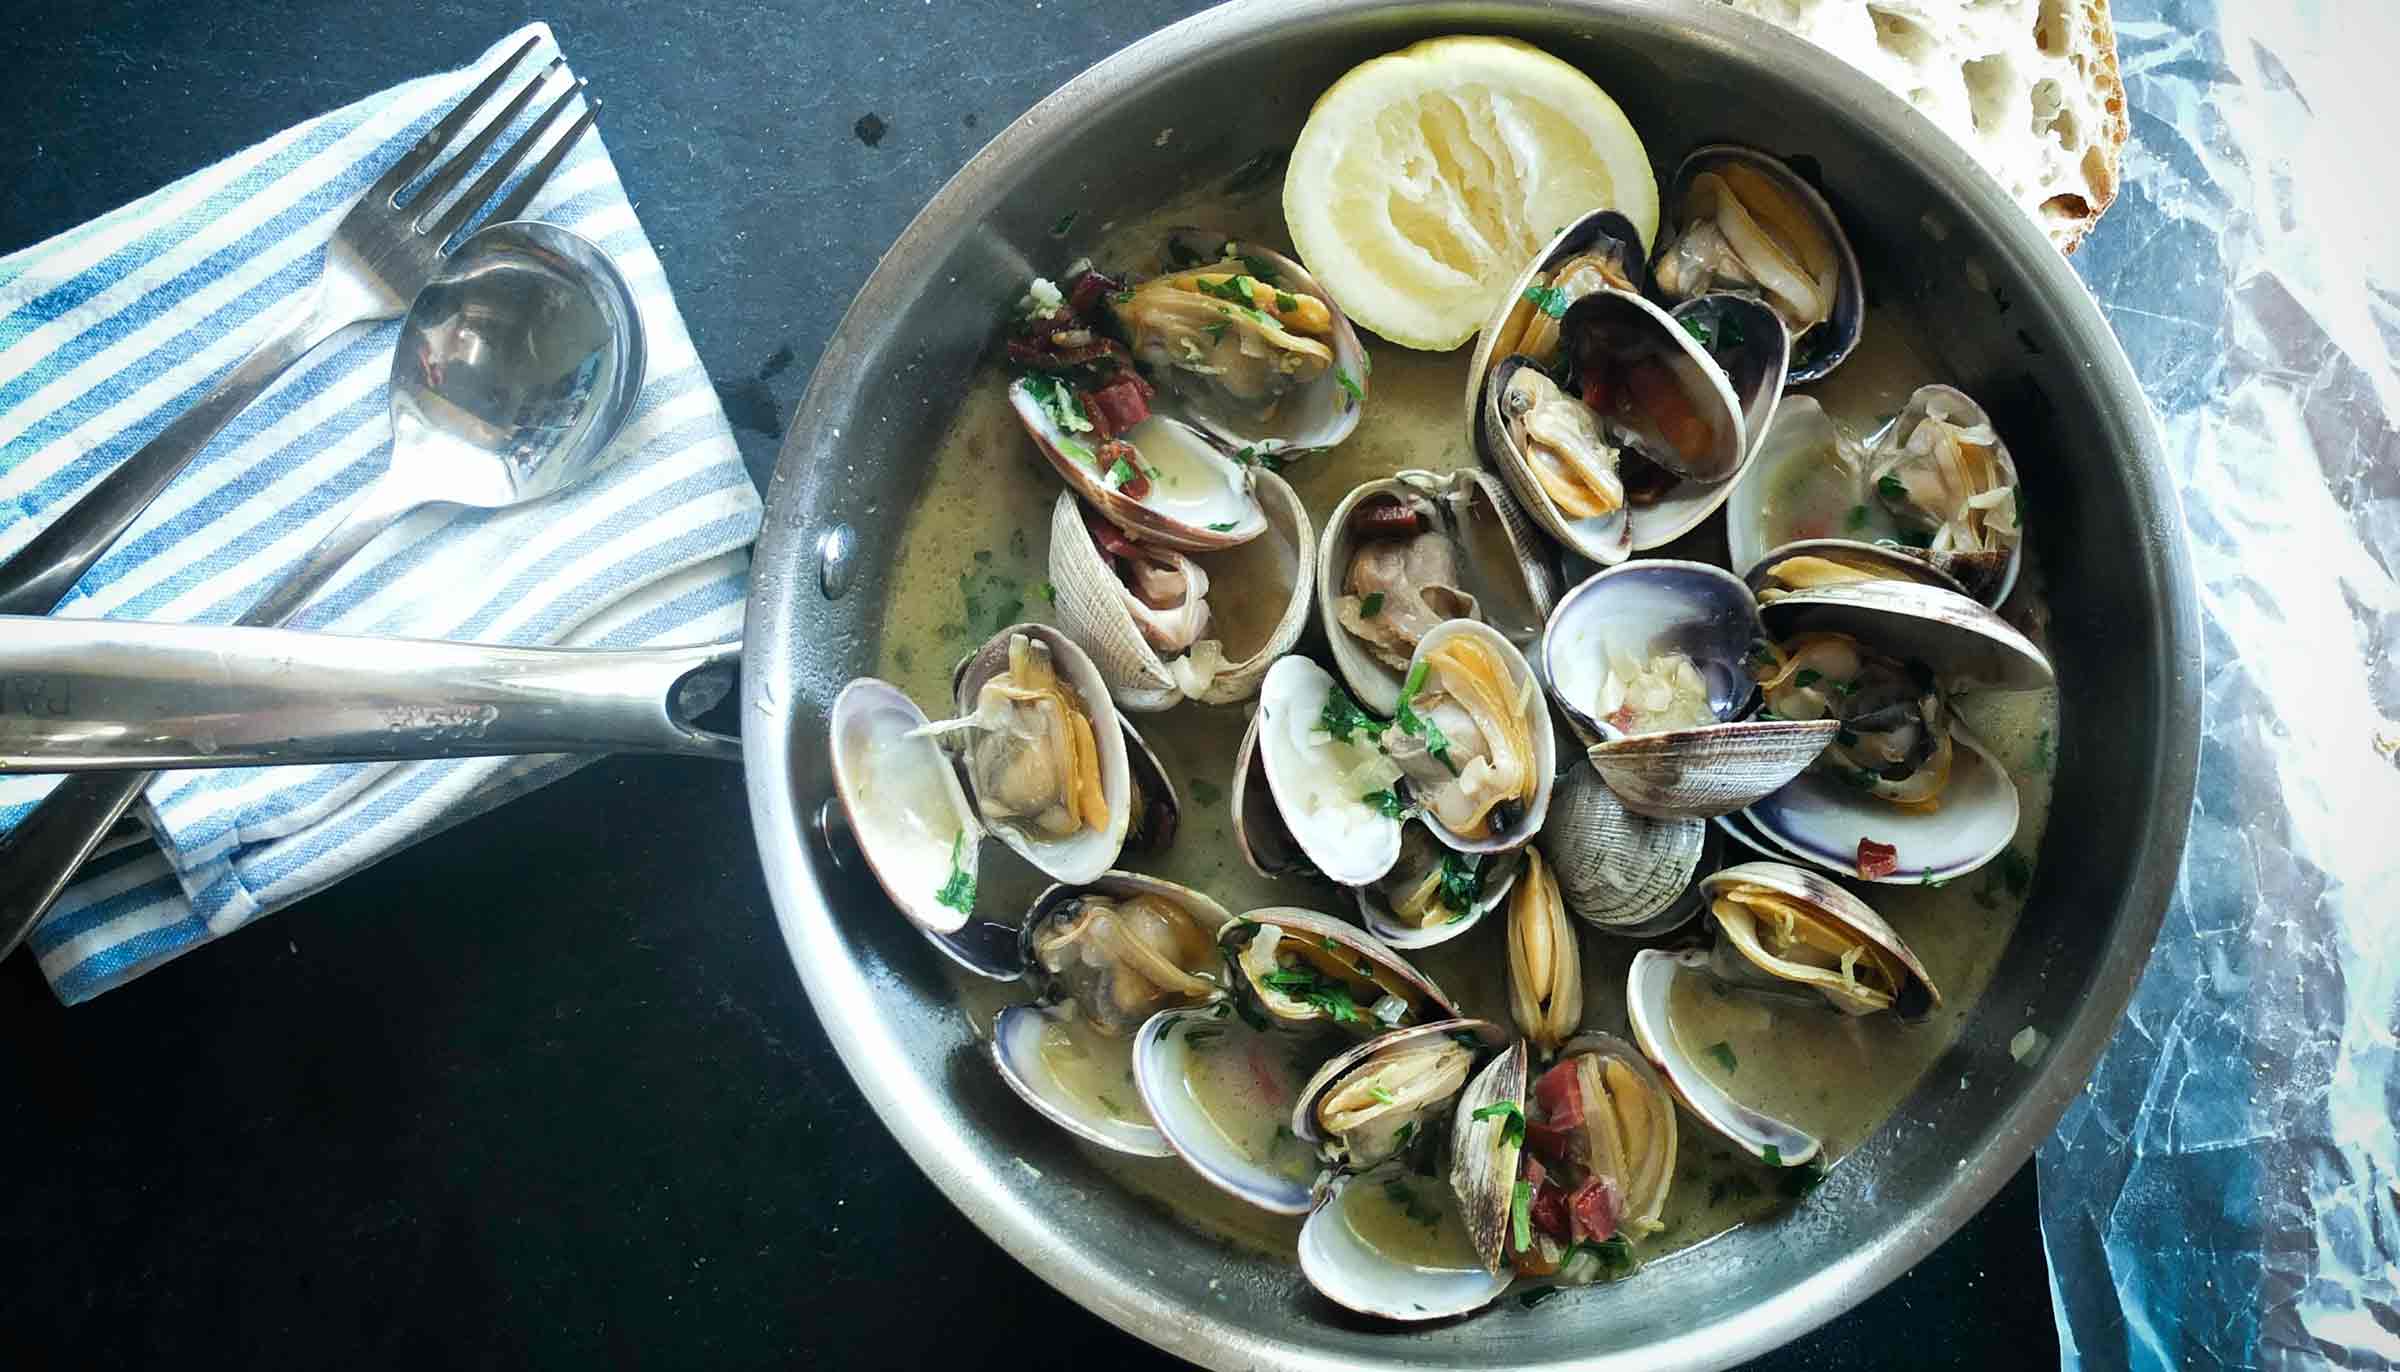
<point>974,558</point>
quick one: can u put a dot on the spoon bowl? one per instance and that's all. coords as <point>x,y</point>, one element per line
<point>517,365</point>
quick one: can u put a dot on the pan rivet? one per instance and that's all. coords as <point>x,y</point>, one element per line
<point>833,560</point>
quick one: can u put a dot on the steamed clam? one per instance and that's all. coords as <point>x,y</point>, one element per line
<point>1102,958</point>
<point>1625,873</point>
<point>1791,935</point>
<point>1944,477</point>
<point>1740,221</point>
<point>1402,554</point>
<point>1165,626</point>
<point>1311,790</point>
<point>1433,893</point>
<point>1472,738</point>
<point>1906,792</point>
<point>1649,660</point>
<point>1545,969</point>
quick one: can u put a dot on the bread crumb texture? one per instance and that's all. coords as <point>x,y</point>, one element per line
<point>2030,87</point>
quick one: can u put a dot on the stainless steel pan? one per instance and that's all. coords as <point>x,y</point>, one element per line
<point>2016,330</point>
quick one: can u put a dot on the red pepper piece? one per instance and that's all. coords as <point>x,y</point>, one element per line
<point>1876,859</point>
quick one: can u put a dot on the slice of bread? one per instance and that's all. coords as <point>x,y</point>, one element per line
<point>2030,87</point>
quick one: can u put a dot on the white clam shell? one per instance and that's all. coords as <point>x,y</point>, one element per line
<point>1347,841</point>
<point>1280,564</point>
<point>1647,987</point>
<point>1016,1053</point>
<point>1210,502</point>
<point>1344,1270</point>
<point>1084,855</point>
<point>1161,1067</point>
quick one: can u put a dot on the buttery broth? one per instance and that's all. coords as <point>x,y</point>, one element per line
<point>973,560</point>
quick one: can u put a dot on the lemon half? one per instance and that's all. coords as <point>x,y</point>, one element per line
<point>1426,180</point>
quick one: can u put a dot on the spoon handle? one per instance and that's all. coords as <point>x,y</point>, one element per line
<point>97,696</point>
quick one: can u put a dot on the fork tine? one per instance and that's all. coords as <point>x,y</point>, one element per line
<point>421,154</point>
<point>514,206</point>
<point>488,185</point>
<point>455,169</point>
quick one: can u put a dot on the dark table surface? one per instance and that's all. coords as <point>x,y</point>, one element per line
<point>545,1089</point>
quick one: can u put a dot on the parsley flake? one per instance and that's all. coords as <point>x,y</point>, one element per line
<point>1371,605</point>
<point>1341,717</point>
<point>1858,518</point>
<point>1386,803</point>
<point>1698,329</point>
<point>959,891</point>
<point>1550,300</point>
<point>1350,387</point>
<point>1890,488</point>
<point>1723,1053</point>
<point>1512,1122</point>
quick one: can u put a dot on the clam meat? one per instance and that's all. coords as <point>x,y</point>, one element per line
<point>1403,577</point>
<point>1376,1109</point>
<point>1895,738</point>
<point>1946,480</point>
<point>1244,336</point>
<point>1121,959</point>
<point>1598,1163</point>
<point>1741,231</point>
<point>1796,928</point>
<point>1462,738</point>
<point>1032,753</point>
<point>1560,438</point>
<point>1545,969</point>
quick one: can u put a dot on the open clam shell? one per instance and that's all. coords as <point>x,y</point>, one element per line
<point>1337,975</point>
<point>1349,1271</point>
<point>1627,874</point>
<point>1629,617</point>
<point>1358,1063</point>
<point>1432,874</point>
<point>1298,793</point>
<point>1545,965</point>
<point>1741,897</point>
<point>1649,985</point>
<point>1178,1056</point>
<point>1157,807</point>
<point>1646,1174</point>
<point>1257,603</point>
<point>1942,473</point>
<point>1814,563</point>
<point>1748,343</point>
<point>1777,228</point>
<point>1487,563</point>
<point>1018,1053</point>
<point>1602,248</point>
<point>1085,853</point>
<point>1192,496</point>
<point>914,824</point>
<point>1056,1052</point>
<point>1521,694</point>
<point>1959,638</point>
<point>1313,416</point>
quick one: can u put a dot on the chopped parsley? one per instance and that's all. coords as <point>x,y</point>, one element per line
<point>1462,883</point>
<point>1512,1122</point>
<point>1257,266</point>
<point>1342,718</point>
<point>1122,298</point>
<point>1065,222</point>
<point>1436,742</point>
<point>1550,300</point>
<point>1386,803</point>
<point>1202,1035</point>
<point>1771,1156</point>
<point>1723,1053</point>
<point>1216,330</point>
<point>1285,304</point>
<point>1891,488</point>
<point>1614,1252</point>
<point>1226,527</point>
<point>1698,329</point>
<point>2015,871</point>
<point>1121,473</point>
<point>1404,1133</point>
<point>1307,985</point>
<point>1381,1095</point>
<point>1206,792</point>
<point>2041,750</point>
<point>1520,1216</point>
<point>1859,777</point>
<point>959,891</point>
<point>1235,288</point>
<point>1059,401</point>
<point>1050,591</point>
<point>1730,329</point>
<point>1807,677</point>
<point>1349,385</point>
<point>1537,1295</point>
<point>1799,1181</point>
<point>1254,455</point>
<point>1371,605</point>
<point>1858,518</point>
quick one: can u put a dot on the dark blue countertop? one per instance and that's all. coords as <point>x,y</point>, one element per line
<point>545,1090</point>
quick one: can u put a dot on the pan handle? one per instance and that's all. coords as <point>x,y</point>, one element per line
<point>99,695</point>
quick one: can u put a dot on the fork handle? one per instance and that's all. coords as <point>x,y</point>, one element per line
<point>41,573</point>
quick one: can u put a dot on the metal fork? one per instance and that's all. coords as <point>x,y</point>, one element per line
<point>381,255</point>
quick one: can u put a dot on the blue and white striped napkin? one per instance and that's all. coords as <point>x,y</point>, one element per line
<point>110,330</point>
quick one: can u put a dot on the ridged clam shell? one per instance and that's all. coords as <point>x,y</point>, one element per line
<point>1091,606</point>
<point>1356,943</point>
<point>1340,1065</point>
<point>1483,1162</point>
<point>1616,869</point>
<point>1891,563</point>
<point>1818,351</point>
<point>1847,910</point>
<point>1702,773</point>
<point>1959,638</point>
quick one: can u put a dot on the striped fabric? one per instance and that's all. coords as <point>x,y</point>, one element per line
<point>110,330</point>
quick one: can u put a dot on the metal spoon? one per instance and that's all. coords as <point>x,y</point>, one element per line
<point>517,365</point>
